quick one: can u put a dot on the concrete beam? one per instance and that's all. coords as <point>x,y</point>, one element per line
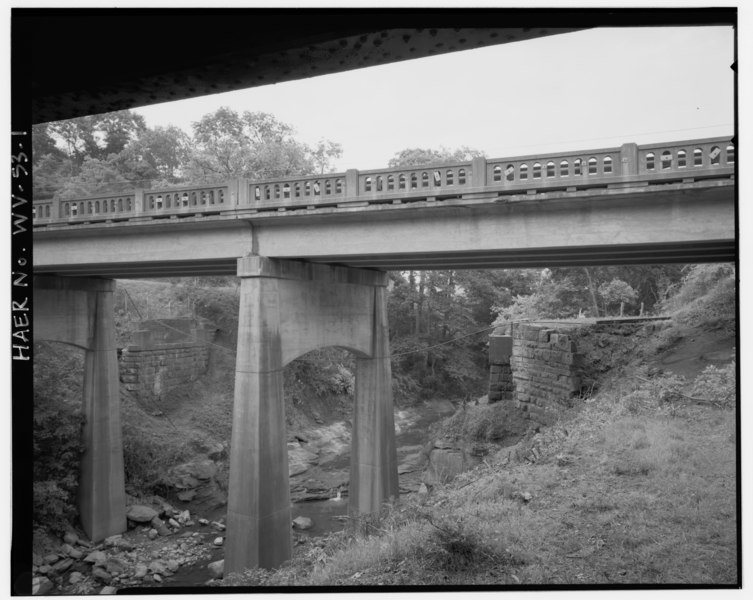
<point>674,222</point>
<point>665,215</point>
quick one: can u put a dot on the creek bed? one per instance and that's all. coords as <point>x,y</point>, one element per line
<point>412,426</point>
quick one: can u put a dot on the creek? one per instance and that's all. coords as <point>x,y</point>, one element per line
<point>329,515</point>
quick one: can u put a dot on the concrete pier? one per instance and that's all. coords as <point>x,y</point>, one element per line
<point>80,312</point>
<point>373,459</point>
<point>288,308</point>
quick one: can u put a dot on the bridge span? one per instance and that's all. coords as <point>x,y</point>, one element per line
<point>311,254</point>
<point>671,202</point>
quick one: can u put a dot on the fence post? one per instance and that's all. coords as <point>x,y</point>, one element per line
<point>629,159</point>
<point>241,191</point>
<point>138,202</point>
<point>351,183</point>
<point>478,172</point>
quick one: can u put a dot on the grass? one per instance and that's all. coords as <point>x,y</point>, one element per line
<point>633,494</point>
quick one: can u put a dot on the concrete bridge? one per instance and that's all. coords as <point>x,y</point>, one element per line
<point>671,202</point>
<point>311,254</point>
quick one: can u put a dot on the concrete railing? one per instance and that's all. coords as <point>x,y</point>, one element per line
<point>570,171</point>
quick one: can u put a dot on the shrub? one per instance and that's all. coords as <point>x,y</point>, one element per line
<point>150,448</point>
<point>717,385</point>
<point>707,294</point>
<point>57,446</point>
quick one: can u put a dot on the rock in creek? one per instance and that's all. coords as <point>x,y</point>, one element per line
<point>70,538</point>
<point>41,586</point>
<point>217,568</point>
<point>302,523</point>
<point>141,514</point>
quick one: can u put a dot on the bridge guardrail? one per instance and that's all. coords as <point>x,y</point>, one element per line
<point>629,163</point>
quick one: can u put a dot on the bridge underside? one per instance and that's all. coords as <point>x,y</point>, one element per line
<point>561,256</point>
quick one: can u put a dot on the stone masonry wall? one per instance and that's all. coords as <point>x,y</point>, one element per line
<point>534,370</point>
<point>544,370</point>
<point>500,371</point>
<point>151,366</point>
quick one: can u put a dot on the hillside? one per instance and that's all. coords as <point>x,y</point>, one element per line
<point>635,483</point>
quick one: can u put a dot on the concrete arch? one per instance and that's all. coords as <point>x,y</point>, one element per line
<point>289,308</point>
<point>357,353</point>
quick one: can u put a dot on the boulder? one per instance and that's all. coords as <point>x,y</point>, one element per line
<point>165,506</point>
<point>218,541</point>
<point>97,557</point>
<point>41,586</point>
<point>303,523</point>
<point>172,565</point>
<point>160,526</point>
<point>188,473</point>
<point>51,558</point>
<point>101,574</point>
<point>75,577</point>
<point>113,540</point>
<point>217,569</point>
<point>62,566</point>
<point>297,468</point>
<point>115,566</point>
<point>173,523</point>
<point>186,495</point>
<point>140,571</point>
<point>158,567</point>
<point>108,590</point>
<point>141,514</point>
<point>70,538</point>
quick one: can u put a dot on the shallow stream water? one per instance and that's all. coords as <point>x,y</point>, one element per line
<point>411,431</point>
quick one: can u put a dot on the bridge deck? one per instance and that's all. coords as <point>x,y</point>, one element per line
<point>655,203</point>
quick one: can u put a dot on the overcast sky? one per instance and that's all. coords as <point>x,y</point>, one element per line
<point>588,89</point>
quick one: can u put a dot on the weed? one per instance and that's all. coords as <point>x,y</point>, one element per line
<point>717,385</point>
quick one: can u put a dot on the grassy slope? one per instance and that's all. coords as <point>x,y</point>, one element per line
<point>633,486</point>
<point>627,496</point>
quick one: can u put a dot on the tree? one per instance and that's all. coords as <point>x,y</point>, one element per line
<point>414,157</point>
<point>249,144</point>
<point>97,136</point>
<point>323,154</point>
<point>94,177</point>
<point>616,293</point>
<point>431,312</point>
<point>164,149</point>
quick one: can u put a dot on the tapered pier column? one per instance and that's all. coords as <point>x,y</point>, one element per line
<point>79,311</point>
<point>101,494</point>
<point>373,460</point>
<point>258,517</point>
<point>287,309</point>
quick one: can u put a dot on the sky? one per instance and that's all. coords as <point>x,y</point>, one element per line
<point>589,89</point>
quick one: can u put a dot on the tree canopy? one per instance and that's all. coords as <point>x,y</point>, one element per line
<point>115,151</point>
